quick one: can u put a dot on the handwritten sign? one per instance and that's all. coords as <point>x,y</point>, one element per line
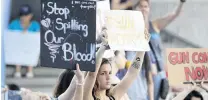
<point>126,30</point>
<point>186,65</point>
<point>68,34</point>
<point>22,49</point>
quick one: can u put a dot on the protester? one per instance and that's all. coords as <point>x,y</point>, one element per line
<point>75,89</point>
<point>154,28</point>
<point>118,61</point>
<point>24,23</point>
<point>98,83</point>
<point>64,80</point>
<point>13,87</point>
<point>189,94</point>
<point>142,87</point>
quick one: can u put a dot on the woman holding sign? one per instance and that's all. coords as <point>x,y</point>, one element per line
<point>98,84</point>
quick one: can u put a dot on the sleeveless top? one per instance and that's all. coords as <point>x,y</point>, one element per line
<point>111,97</point>
<point>156,43</point>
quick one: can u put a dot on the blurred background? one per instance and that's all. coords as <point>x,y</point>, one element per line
<point>189,30</point>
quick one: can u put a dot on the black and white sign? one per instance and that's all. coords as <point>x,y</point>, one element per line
<point>68,29</point>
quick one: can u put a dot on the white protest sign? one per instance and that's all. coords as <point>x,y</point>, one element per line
<point>126,30</point>
<point>22,48</point>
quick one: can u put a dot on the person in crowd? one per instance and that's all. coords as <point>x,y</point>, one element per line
<point>64,80</point>
<point>154,27</point>
<point>75,89</point>
<point>189,94</point>
<point>98,84</point>
<point>118,61</point>
<point>143,87</point>
<point>194,95</point>
<point>13,87</point>
<point>24,23</point>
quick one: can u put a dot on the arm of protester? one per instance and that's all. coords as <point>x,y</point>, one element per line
<point>116,5</point>
<point>150,86</point>
<point>119,90</point>
<point>69,93</point>
<point>78,95</point>
<point>161,23</point>
<point>205,87</point>
<point>183,94</point>
<point>91,76</point>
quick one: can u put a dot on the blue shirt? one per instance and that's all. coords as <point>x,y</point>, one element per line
<point>16,25</point>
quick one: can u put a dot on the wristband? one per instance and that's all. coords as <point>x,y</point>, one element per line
<point>80,83</point>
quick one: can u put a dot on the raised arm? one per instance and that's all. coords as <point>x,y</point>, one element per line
<point>78,95</point>
<point>119,90</point>
<point>205,87</point>
<point>116,5</point>
<point>182,95</point>
<point>75,89</point>
<point>69,93</point>
<point>161,23</point>
<point>91,76</point>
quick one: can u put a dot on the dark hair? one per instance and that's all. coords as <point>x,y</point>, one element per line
<point>63,82</point>
<point>116,52</point>
<point>146,66</point>
<point>25,10</point>
<point>194,94</point>
<point>13,87</point>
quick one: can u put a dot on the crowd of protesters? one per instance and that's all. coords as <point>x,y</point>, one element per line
<point>126,75</point>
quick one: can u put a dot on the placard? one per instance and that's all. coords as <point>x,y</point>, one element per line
<point>126,30</point>
<point>68,29</point>
<point>187,65</point>
<point>22,48</point>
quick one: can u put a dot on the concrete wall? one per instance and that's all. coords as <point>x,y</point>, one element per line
<point>192,23</point>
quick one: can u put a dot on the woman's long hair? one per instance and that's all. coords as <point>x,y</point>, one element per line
<point>97,84</point>
<point>146,66</point>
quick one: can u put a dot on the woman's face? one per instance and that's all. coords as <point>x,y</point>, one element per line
<point>104,77</point>
<point>143,7</point>
<point>26,18</point>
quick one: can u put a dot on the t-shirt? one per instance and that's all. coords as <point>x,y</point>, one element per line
<point>16,25</point>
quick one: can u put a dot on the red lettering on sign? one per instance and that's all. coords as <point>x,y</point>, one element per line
<point>178,57</point>
<point>200,57</point>
<point>197,73</point>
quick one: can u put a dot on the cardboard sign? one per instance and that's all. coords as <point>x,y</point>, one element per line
<point>187,65</point>
<point>22,48</point>
<point>68,29</point>
<point>126,30</point>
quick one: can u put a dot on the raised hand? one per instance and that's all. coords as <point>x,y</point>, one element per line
<point>79,75</point>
